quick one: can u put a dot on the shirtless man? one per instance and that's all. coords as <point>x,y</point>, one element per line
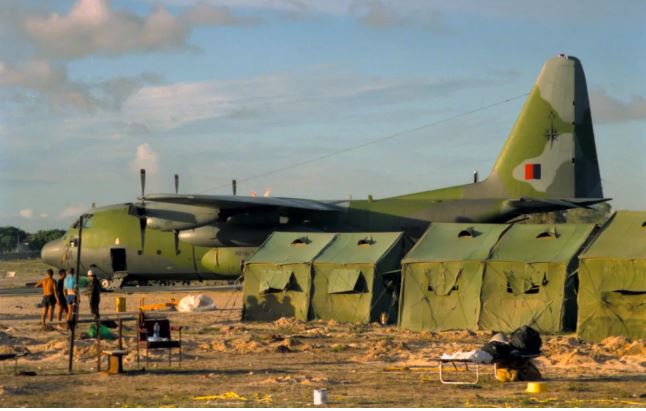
<point>50,297</point>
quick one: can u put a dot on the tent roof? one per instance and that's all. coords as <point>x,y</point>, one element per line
<point>359,247</point>
<point>541,242</point>
<point>624,236</point>
<point>455,241</point>
<point>291,248</point>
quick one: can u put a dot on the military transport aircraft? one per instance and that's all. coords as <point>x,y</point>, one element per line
<point>549,162</point>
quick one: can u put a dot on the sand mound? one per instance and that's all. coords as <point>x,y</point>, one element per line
<point>245,344</point>
<point>248,343</point>
<point>289,322</point>
<point>637,348</point>
<point>252,343</point>
<point>613,354</point>
<point>332,323</point>
<point>302,379</point>
<point>56,345</point>
<point>614,343</point>
<point>6,349</point>
<point>385,350</point>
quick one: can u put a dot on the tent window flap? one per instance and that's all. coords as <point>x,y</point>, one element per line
<point>343,281</point>
<point>275,281</point>
<point>442,280</point>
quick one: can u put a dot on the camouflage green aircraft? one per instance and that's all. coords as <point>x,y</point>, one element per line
<point>549,162</point>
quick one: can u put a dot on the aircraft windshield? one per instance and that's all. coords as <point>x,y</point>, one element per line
<point>87,222</point>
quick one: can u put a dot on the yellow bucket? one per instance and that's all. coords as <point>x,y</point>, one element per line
<point>120,304</point>
<point>535,387</point>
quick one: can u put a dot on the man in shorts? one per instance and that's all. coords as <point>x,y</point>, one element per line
<point>50,297</point>
<point>70,293</point>
<point>60,294</point>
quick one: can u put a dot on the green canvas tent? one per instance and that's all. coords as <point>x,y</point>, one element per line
<point>612,280</point>
<point>356,276</point>
<point>278,277</point>
<point>442,275</point>
<point>530,278</point>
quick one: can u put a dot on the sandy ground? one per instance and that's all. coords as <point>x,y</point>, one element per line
<point>15,273</point>
<point>230,363</point>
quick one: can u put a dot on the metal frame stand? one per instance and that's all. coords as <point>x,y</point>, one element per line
<point>466,368</point>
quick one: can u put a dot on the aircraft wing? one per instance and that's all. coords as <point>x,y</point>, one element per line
<point>229,202</point>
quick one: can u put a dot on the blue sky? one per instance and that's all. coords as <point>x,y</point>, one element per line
<point>92,90</point>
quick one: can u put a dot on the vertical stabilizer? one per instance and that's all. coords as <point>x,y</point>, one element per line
<point>550,152</point>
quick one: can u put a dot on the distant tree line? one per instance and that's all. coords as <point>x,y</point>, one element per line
<point>13,239</point>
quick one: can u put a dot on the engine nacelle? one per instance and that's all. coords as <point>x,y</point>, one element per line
<point>225,235</point>
<point>179,217</point>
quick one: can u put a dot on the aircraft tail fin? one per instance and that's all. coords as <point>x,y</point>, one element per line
<point>550,152</point>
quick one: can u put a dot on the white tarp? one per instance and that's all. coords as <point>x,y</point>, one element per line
<point>478,356</point>
<point>192,303</point>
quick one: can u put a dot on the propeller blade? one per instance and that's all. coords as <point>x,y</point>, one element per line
<point>142,175</point>
<point>176,238</point>
<point>234,186</point>
<point>142,231</point>
<point>176,183</point>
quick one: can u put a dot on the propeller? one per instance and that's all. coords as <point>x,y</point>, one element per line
<point>142,175</point>
<point>176,238</point>
<point>142,231</point>
<point>176,232</point>
<point>234,186</point>
<point>141,210</point>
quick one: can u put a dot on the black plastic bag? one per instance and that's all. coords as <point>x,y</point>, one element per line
<point>526,340</point>
<point>497,349</point>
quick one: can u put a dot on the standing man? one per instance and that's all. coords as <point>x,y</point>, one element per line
<point>61,300</point>
<point>49,297</point>
<point>94,292</point>
<point>70,294</point>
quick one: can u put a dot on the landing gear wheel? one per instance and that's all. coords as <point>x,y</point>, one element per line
<point>106,283</point>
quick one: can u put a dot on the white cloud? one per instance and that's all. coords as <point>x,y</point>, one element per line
<point>92,26</point>
<point>608,109</point>
<point>311,93</point>
<point>40,78</point>
<point>43,215</point>
<point>169,106</point>
<point>43,78</point>
<point>72,211</point>
<point>377,14</point>
<point>519,10</point>
<point>146,158</point>
<point>26,213</point>
<point>203,14</point>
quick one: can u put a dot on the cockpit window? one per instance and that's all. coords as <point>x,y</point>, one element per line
<point>87,222</point>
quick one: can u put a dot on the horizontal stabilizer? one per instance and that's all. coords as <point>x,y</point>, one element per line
<point>533,205</point>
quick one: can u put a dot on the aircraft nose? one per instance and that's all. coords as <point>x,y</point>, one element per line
<point>52,252</point>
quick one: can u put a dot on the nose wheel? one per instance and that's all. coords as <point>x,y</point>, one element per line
<point>116,281</point>
<point>106,284</point>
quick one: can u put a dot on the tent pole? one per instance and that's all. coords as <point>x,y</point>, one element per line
<point>76,291</point>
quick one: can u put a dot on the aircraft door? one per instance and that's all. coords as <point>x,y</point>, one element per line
<point>118,257</point>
